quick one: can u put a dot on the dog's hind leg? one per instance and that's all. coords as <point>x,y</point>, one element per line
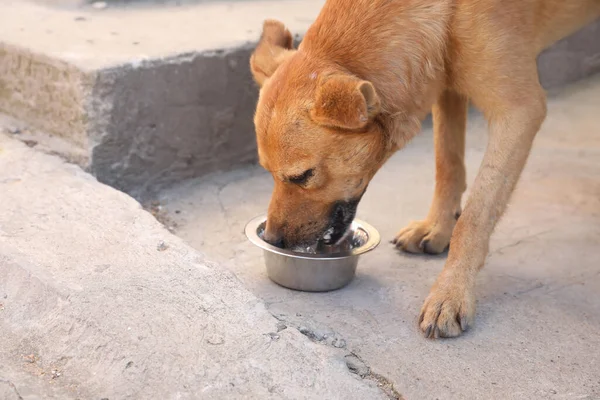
<point>432,235</point>
<point>515,110</point>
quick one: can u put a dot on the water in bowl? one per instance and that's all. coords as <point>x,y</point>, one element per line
<point>354,239</point>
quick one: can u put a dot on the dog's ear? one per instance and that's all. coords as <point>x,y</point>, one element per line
<point>274,46</point>
<point>344,101</point>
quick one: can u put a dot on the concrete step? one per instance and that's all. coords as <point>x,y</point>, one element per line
<point>99,301</point>
<point>143,96</point>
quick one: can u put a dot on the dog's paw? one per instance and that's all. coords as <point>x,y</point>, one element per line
<point>431,237</point>
<point>448,311</point>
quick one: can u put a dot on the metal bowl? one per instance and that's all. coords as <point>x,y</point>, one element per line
<point>325,268</point>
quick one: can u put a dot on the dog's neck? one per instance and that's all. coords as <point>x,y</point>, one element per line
<point>399,46</point>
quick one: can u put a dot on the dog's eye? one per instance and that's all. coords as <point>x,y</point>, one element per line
<point>303,178</point>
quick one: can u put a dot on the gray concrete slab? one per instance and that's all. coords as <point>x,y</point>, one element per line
<point>536,329</point>
<point>571,59</point>
<point>99,301</point>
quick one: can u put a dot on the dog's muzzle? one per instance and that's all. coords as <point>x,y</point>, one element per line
<point>341,217</point>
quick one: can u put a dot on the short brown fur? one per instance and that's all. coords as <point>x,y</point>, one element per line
<point>356,90</point>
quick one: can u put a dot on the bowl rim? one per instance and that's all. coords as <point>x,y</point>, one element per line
<point>373,240</point>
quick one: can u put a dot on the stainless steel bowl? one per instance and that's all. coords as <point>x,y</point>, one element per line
<point>326,269</point>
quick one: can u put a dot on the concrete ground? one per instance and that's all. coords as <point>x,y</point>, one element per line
<point>538,318</point>
<point>99,301</point>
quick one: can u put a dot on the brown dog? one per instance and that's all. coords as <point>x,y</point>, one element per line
<point>366,74</point>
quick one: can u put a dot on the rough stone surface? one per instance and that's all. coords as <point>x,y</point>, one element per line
<point>357,366</point>
<point>45,92</point>
<point>535,333</point>
<point>98,300</point>
<point>155,134</point>
<point>151,95</point>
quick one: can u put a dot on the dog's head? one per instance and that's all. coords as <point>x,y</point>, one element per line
<point>318,134</point>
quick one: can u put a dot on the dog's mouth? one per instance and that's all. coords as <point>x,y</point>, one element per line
<point>341,217</point>
<point>337,232</point>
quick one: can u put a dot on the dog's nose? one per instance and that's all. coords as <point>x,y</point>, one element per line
<point>278,243</point>
<point>274,238</point>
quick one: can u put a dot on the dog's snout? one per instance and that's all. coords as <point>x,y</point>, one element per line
<point>277,242</point>
<point>274,237</point>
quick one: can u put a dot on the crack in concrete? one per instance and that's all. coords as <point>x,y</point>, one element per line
<point>354,363</point>
<point>500,250</point>
<point>222,207</point>
<point>13,387</point>
<point>159,213</point>
<point>327,338</point>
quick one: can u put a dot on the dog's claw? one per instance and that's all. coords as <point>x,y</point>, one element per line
<point>464,323</point>
<point>427,332</point>
<point>398,243</point>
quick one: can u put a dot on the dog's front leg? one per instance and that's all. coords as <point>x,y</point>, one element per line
<point>449,309</point>
<point>432,235</point>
